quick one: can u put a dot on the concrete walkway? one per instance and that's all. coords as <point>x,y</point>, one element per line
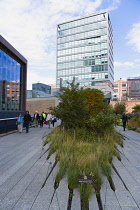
<point>25,184</point>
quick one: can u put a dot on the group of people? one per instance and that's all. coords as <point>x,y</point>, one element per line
<point>46,118</point>
<point>37,120</point>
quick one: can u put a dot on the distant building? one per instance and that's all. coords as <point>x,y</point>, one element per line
<point>29,94</point>
<point>120,90</point>
<point>127,89</point>
<point>13,80</point>
<point>42,87</point>
<point>56,91</point>
<point>133,88</point>
<point>85,51</point>
<point>39,90</point>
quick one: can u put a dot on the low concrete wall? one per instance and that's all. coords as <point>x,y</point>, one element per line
<point>129,104</point>
<point>41,104</point>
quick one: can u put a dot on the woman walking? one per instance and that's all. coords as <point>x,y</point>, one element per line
<point>19,122</point>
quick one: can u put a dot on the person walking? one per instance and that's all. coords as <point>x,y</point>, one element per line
<point>36,118</point>
<point>53,120</point>
<point>19,122</point>
<point>44,116</point>
<point>27,120</point>
<point>124,120</point>
<point>41,119</point>
<point>49,119</point>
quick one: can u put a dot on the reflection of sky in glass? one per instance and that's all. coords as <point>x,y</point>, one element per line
<point>9,82</point>
<point>9,68</point>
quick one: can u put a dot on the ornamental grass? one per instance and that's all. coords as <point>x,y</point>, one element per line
<point>81,152</point>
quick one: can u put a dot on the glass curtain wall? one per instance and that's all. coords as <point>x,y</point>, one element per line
<point>83,51</point>
<point>9,83</point>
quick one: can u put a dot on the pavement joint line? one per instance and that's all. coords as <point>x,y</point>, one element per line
<point>41,187</point>
<point>25,173</point>
<point>28,185</point>
<point>47,176</point>
<point>20,178</point>
<point>119,176</point>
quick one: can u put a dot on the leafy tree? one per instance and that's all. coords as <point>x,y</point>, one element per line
<point>95,101</point>
<point>72,107</point>
<point>136,108</point>
<point>120,108</point>
<point>81,108</point>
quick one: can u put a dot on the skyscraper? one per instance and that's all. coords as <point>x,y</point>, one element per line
<point>85,51</point>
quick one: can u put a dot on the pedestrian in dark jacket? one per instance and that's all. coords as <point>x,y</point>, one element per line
<point>41,120</point>
<point>124,120</point>
<point>27,120</point>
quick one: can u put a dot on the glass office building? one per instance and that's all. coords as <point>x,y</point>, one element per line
<point>42,87</point>
<point>85,51</point>
<point>13,79</point>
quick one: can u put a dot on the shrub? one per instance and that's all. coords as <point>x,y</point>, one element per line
<point>120,108</point>
<point>134,121</point>
<point>104,121</point>
<point>136,108</point>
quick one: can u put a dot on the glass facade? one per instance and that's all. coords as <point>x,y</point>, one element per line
<point>41,87</point>
<point>9,83</point>
<point>85,51</point>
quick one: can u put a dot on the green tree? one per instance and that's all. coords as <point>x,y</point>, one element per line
<point>84,108</point>
<point>72,107</point>
<point>136,108</point>
<point>120,108</point>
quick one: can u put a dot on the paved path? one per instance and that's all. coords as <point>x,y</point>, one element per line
<point>24,168</point>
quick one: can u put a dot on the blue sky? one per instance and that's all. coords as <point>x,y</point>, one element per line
<point>30,26</point>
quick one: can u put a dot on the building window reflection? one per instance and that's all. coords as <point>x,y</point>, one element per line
<point>9,83</point>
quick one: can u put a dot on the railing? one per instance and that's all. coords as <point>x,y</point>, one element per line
<point>7,124</point>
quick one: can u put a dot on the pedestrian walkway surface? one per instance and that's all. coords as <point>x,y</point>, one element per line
<point>27,178</point>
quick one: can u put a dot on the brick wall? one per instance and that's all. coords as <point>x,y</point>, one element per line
<point>129,105</point>
<point>41,104</point>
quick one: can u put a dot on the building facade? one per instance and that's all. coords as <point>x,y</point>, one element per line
<point>39,90</point>
<point>133,90</point>
<point>13,78</point>
<point>127,89</point>
<point>120,90</point>
<point>42,87</point>
<point>85,51</point>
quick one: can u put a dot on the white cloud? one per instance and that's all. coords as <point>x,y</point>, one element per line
<point>134,37</point>
<point>113,5</point>
<point>127,69</point>
<point>30,26</point>
<point>123,64</point>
